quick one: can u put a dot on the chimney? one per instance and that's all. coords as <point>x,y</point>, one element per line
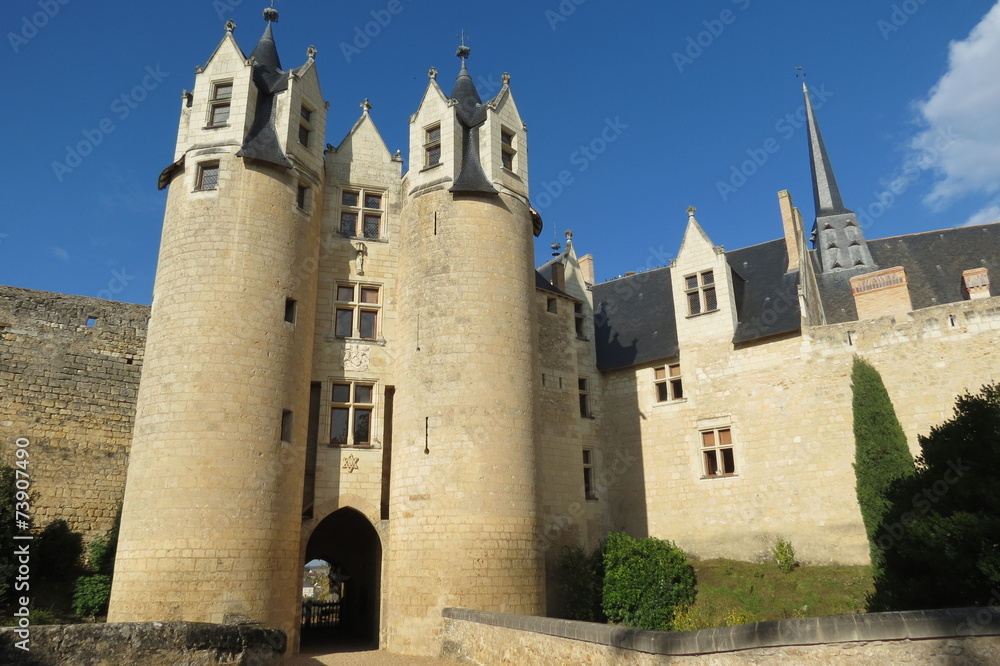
<point>976,283</point>
<point>791,220</point>
<point>587,268</point>
<point>881,293</point>
<point>559,275</point>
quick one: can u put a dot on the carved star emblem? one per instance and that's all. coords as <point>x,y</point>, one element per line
<point>351,462</point>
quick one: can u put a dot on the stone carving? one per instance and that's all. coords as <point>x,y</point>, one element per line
<point>351,463</point>
<point>357,358</point>
<point>362,252</point>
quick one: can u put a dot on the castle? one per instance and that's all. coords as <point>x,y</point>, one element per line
<point>337,366</point>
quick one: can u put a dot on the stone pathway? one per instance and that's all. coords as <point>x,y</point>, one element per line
<point>363,657</point>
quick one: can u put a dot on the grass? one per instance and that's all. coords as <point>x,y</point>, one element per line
<point>733,592</point>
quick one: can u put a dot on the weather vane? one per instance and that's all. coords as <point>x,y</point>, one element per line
<point>801,73</point>
<point>463,49</point>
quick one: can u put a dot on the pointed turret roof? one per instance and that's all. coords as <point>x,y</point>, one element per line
<point>471,113</point>
<point>825,190</point>
<point>261,142</point>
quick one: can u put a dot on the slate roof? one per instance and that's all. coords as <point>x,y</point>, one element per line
<point>767,298</point>
<point>933,260</point>
<point>261,142</point>
<point>634,320</point>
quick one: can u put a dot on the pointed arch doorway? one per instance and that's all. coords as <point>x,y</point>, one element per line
<point>349,612</point>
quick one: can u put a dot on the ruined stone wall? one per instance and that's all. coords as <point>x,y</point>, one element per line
<point>69,388</point>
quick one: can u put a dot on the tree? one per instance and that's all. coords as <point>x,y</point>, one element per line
<point>581,581</point>
<point>645,581</point>
<point>881,455</point>
<point>942,539</point>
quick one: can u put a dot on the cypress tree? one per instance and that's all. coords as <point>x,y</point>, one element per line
<point>881,456</point>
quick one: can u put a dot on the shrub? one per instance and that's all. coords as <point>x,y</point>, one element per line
<point>738,616</point>
<point>881,455</point>
<point>784,555</point>
<point>91,595</point>
<point>941,541</point>
<point>645,581</point>
<point>581,578</point>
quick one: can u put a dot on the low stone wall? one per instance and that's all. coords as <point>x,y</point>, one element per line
<point>959,636</point>
<point>143,644</point>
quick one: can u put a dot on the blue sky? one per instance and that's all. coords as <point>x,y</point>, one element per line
<point>644,108</point>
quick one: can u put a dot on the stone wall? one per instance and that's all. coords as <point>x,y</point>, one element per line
<point>960,636</point>
<point>151,644</point>
<point>69,370</point>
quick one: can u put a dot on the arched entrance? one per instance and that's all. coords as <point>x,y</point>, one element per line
<point>349,543</point>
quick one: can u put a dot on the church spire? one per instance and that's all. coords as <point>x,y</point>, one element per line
<point>825,190</point>
<point>837,236</point>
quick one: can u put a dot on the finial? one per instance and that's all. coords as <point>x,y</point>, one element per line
<point>432,73</point>
<point>691,210</point>
<point>555,243</point>
<point>230,25</point>
<point>271,14</point>
<point>366,105</point>
<point>311,52</point>
<point>505,78</point>
<point>569,234</point>
<point>463,50</point>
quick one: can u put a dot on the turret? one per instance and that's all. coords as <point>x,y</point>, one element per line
<point>211,518</point>
<point>463,505</point>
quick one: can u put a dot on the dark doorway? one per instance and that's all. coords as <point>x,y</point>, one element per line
<point>349,543</point>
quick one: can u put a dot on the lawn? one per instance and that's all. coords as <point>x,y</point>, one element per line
<point>733,592</point>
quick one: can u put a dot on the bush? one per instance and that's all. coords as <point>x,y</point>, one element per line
<point>91,595</point>
<point>881,455</point>
<point>645,581</point>
<point>580,580</point>
<point>784,555</point>
<point>941,541</point>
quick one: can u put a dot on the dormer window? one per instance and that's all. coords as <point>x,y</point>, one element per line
<point>976,283</point>
<point>305,126</point>
<point>507,150</point>
<point>432,145</point>
<point>700,291</point>
<point>222,95</point>
<point>365,206</point>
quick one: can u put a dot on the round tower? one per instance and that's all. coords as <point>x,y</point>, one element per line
<point>213,500</point>
<point>463,509</point>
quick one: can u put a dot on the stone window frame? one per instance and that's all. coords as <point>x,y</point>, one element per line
<point>584,389</point>
<point>359,312</point>
<point>668,386</point>
<point>204,179</point>
<point>352,405</point>
<point>589,474</point>
<point>715,444</point>
<point>218,101</point>
<point>303,198</point>
<point>700,293</point>
<point>580,321</point>
<point>432,143</point>
<point>305,125</point>
<point>508,148</point>
<point>362,212</point>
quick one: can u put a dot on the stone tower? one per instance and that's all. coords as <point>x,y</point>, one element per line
<point>463,508</point>
<point>211,518</point>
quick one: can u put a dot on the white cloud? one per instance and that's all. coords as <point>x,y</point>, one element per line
<point>60,253</point>
<point>961,137</point>
<point>984,216</point>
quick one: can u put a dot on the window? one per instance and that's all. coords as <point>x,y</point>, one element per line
<point>432,145</point>
<point>551,305</point>
<point>351,415</point>
<point>290,309</point>
<point>578,314</point>
<point>218,108</point>
<point>363,205</point>
<point>589,488</point>
<point>717,450</point>
<point>358,309</point>
<point>305,125</point>
<point>507,150</point>
<point>302,197</point>
<point>584,397</point>
<point>667,379</point>
<point>208,176</point>
<point>286,425</point>
<point>700,290</point>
